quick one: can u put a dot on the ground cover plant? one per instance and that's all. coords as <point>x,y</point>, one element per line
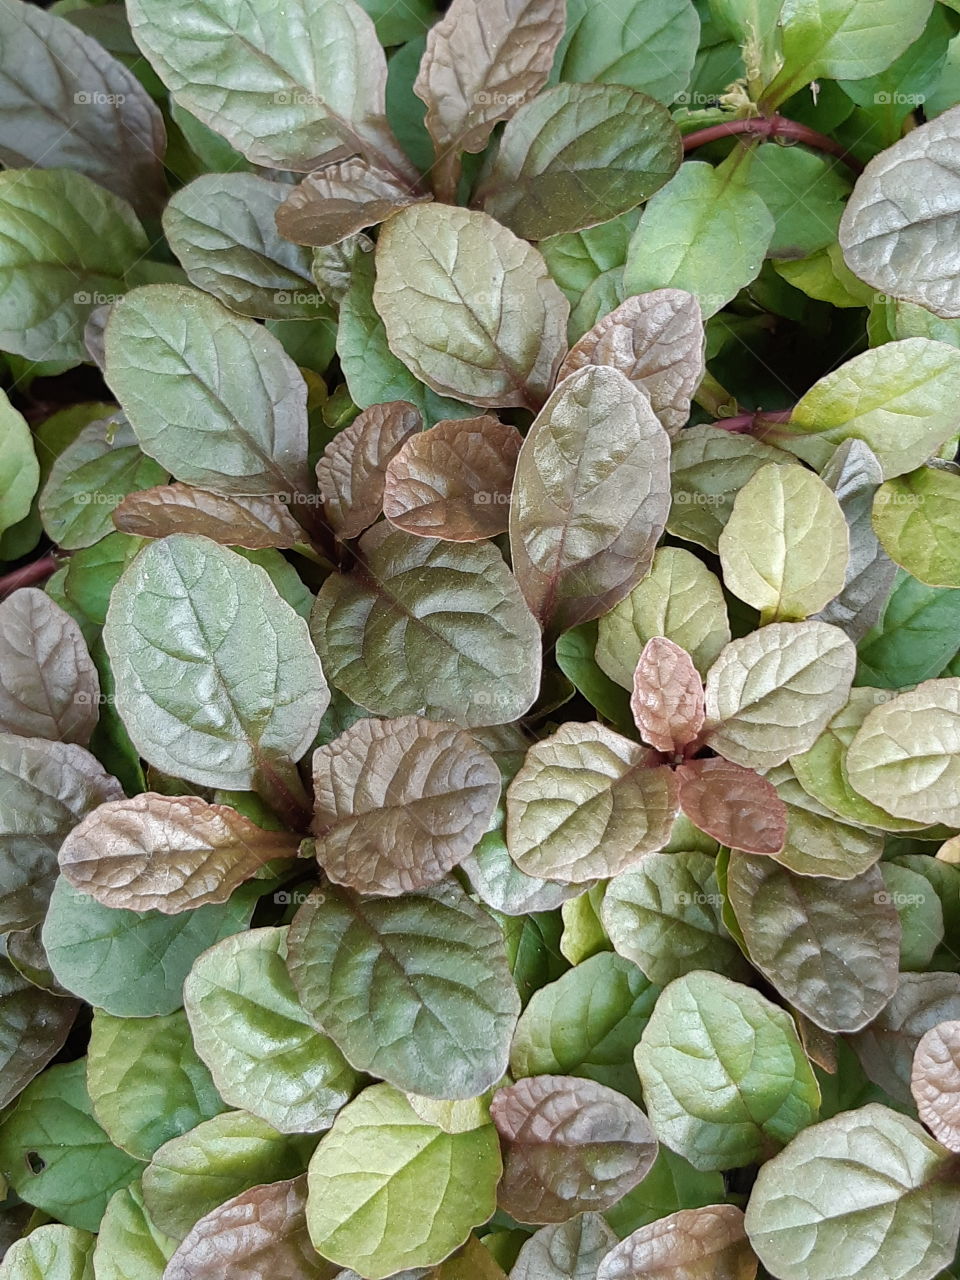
<point>480,647</point>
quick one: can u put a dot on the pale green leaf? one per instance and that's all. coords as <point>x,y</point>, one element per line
<point>915,518</point>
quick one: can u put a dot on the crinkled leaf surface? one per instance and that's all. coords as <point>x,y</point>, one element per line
<point>352,470</point>
<point>129,1246</point>
<point>216,676</point>
<point>692,1244</point>
<point>415,990</point>
<point>252,1032</point>
<point>33,1026</point>
<point>590,497</point>
<point>399,803</point>
<point>51,1252</point>
<point>252,522</point>
<point>378,1160</point>
<point>935,1082</point>
<point>860,1190</point>
<point>667,700</point>
<point>587,804</point>
<point>830,947</point>
<point>569,1250</point>
<point>425,627</point>
<point>915,517</point>
<point>570,1146</point>
<point>339,200</point>
<point>725,1080</point>
<point>886,1048</point>
<point>736,806</point>
<point>19,468</point>
<point>469,307</point>
<point>50,686</point>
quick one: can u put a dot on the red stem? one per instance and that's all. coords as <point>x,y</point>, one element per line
<point>750,423</point>
<point>771,128</point>
<point>28,575</point>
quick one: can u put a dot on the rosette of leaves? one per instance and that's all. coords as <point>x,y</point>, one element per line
<point>479,640</point>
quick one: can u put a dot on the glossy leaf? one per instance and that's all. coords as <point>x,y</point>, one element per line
<point>786,547</point>
<point>587,804</point>
<point>576,155</point>
<point>399,803</point>
<point>440,1015</point>
<point>339,200</point>
<point>252,522</point>
<point>570,1250</point>
<point>454,481</point>
<point>859,1190</point>
<point>50,1252</point>
<point>693,1244</point>
<point>816,842</point>
<point>50,686</point>
<point>582,537</point>
<point>167,853</point>
<point>506,346</point>
<point>379,1153</point>
<point>913,517</point>
<point>771,694</point>
<point>129,1246</point>
<point>656,340</point>
<point>667,701</point>
<point>429,628</point>
<point>736,806</point>
<point>845,982</point>
<point>168,347</point>
<point>33,1027</point>
<point>234,634</point>
<point>352,471</point>
<point>570,1146</point>
<point>146,1082</point>
<point>19,469</point>
<point>753,1088</point>
<point>665,917</point>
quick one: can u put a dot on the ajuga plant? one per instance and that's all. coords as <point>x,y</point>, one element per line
<point>480,649</point>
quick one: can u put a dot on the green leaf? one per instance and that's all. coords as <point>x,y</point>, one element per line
<point>33,1027</point>
<point>862,1190</point>
<point>570,1146</point>
<point>168,350</point>
<point>578,155</point>
<point>567,1251</point>
<point>440,1016</point>
<point>914,516</point>
<point>129,1246</point>
<point>772,693</point>
<point>709,467</point>
<point>399,803</point>
<point>752,1088</point>
<point>52,1252</point>
<point>583,934</point>
<point>132,964</point>
<point>189,616</point>
<point>89,479</point>
<point>583,536</point>
<point>67,104</point>
<point>56,1156</point>
<point>46,788</point>
<point>906,754</point>
<point>396,24</point>
<point>896,397</point>
<point>19,470</point>
<point>191,1175</point>
<point>805,192</point>
<point>51,687</point>
<point>374,374</point>
<point>378,1160</point>
<point>586,1024</point>
<point>816,843</point>
<point>915,638</point>
<point>222,228</point>
<point>705,232</point>
<point>260,1232</point>
<point>451,615</point>
<point>146,1083</point>
<point>505,347</point>
<point>93,573</point>
<point>588,267</point>
<point>671,1184</point>
<point>251,1031</point>
<point>51,284</point>
<point>288,95</point>
<point>696,1244</point>
<point>665,917</point>
<point>886,1047</point>
<point>842,40</point>
<point>845,982</point>
<point>574,652</point>
<point>646,45</point>
<point>786,546</point>
<point>680,599</point>
<point>587,804</point>
<point>920,912</point>
<point>902,216</point>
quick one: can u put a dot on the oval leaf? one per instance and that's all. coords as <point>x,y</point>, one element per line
<point>935,1082</point>
<point>255,523</point>
<point>693,1244</point>
<point>734,805</point>
<point>571,1250</point>
<point>667,701</point>
<point>352,471</point>
<point>915,517</point>
<point>341,199</point>
<point>53,1252</point>
<point>886,1047</point>
<point>33,1027</point>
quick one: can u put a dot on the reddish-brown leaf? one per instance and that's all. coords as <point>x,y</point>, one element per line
<point>340,199</point>
<point>734,805</point>
<point>454,480</point>
<point>252,522</point>
<point>935,1082</point>
<point>657,341</point>
<point>400,802</point>
<point>352,471</point>
<point>693,1244</point>
<point>667,700</point>
<point>167,853</point>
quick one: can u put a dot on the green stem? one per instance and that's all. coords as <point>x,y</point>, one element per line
<point>715,398</point>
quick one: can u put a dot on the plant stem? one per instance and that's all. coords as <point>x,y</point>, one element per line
<point>278,783</point>
<point>29,575</point>
<point>445,176</point>
<point>714,397</point>
<point>772,128</point>
<point>753,423</point>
